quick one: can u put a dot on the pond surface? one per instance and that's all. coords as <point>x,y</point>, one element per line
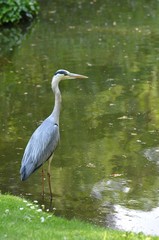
<point>104,170</point>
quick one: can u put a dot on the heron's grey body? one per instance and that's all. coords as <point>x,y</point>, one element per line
<point>40,147</point>
<point>44,140</point>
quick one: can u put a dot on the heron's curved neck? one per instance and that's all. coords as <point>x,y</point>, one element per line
<point>57,105</point>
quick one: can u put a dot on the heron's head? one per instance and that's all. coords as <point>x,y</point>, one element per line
<point>64,74</point>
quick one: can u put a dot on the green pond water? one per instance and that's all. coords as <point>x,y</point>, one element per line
<point>106,168</point>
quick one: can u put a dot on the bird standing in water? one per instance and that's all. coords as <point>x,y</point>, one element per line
<point>44,140</point>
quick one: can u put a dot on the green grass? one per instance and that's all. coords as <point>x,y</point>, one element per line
<point>20,219</point>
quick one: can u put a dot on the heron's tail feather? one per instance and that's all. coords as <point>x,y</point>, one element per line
<point>26,171</point>
<point>23,173</point>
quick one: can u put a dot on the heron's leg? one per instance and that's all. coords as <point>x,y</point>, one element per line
<point>42,181</point>
<point>49,175</point>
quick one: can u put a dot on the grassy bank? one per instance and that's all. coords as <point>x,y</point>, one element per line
<point>20,219</point>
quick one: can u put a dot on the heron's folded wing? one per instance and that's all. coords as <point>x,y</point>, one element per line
<point>40,147</point>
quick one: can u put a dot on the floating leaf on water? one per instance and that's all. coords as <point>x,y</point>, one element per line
<point>152,131</point>
<point>71,27</point>
<point>116,174</point>
<point>91,165</point>
<point>38,86</point>
<point>111,104</point>
<point>125,117</point>
<point>52,12</point>
<point>89,64</point>
<point>32,44</point>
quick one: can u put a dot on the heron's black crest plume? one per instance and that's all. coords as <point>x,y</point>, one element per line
<point>61,72</point>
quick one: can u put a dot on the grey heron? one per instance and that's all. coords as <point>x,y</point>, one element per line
<point>44,140</point>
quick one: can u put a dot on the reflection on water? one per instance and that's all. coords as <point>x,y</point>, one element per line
<point>99,171</point>
<point>152,154</point>
<point>136,220</point>
<point>130,218</point>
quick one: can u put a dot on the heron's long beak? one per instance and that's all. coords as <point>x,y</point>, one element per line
<point>74,75</point>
